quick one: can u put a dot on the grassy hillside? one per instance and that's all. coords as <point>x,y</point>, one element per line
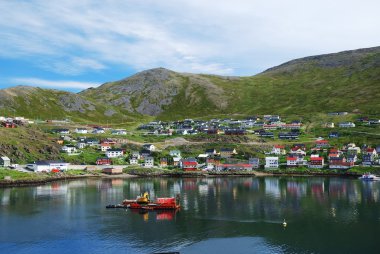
<point>345,81</point>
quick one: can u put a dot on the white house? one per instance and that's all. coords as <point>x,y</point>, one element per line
<point>114,153</point>
<point>133,161</point>
<point>346,125</point>
<point>81,130</point>
<point>175,153</point>
<point>98,131</point>
<point>148,162</point>
<point>278,150</point>
<point>81,145</point>
<point>69,149</point>
<point>119,132</point>
<point>271,162</point>
<point>48,166</point>
<point>5,161</point>
<point>149,147</point>
<point>105,147</point>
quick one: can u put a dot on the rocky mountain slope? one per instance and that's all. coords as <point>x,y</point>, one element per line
<point>345,81</point>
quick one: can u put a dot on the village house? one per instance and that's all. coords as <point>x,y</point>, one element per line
<point>295,160</point>
<point>271,162</point>
<point>81,131</point>
<point>103,161</point>
<point>5,161</point>
<point>340,163</point>
<point>322,144</point>
<point>353,149</point>
<point>334,134</point>
<point>119,132</point>
<point>104,147</point>
<point>368,159</point>
<point>189,164</point>
<point>288,135</point>
<point>234,167</point>
<point>148,162</point>
<point>210,152</point>
<point>371,152</point>
<point>278,150</point>
<point>329,125</point>
<point>98,131</point>
<point>347,125</point>
<point>133,161</point>
<point>163,162</point>
<point>69,149</point>
<point>49,166</point>
<point>316,162</point>
<point>297,151</point>
<point>62,131</point>
<point>255,162</point>
<point>352,158</point>
<point>291,162</point>
<point>145,153</point>
<point>81,145</point>
<point>135,154</point>
<point>114,153</point>
<point>175,153</point>
<point>176,161</point>
<point>265,134</point>
<point>149,147</point>
<point>227,152</point>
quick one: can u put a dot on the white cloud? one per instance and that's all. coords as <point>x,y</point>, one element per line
<point>222,37</point>
<point>52,83</point>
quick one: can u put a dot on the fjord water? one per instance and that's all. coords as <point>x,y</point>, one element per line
<point>218,215</point>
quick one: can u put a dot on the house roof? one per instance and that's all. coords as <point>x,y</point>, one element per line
<point>322,141</point>
<point>190,163</point>
<point>291,158</point>
<point>316,158</point>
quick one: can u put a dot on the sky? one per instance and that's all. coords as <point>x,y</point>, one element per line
<point>73,45</point>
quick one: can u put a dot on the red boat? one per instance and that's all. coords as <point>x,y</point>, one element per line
<point>159,204</point>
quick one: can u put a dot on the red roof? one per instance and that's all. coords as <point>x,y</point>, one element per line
<point>316,158</point>
<point>370,150</point>
<point>291,158</point>
<point>190,163</point>
<point>321,141</point>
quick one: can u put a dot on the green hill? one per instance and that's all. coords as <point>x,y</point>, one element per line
<point>345,81</point>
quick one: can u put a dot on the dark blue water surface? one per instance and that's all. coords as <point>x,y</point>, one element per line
<point>218,215</point>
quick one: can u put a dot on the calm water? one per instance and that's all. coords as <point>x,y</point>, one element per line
<point>218,215</point>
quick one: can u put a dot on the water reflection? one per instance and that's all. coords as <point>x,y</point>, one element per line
<point>336,212</point>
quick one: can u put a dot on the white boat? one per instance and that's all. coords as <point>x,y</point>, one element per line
<point>369,177</point>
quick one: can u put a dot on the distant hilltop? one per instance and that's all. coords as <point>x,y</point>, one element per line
<point>346,81</point>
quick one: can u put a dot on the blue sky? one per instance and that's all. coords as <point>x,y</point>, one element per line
<point>73,45</point>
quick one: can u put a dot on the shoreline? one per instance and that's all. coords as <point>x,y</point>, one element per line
<point>37,182</point>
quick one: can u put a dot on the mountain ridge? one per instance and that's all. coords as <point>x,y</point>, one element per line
<point>347,81</point>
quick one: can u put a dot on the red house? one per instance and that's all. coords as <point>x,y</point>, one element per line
<point>103,161</point>
<point>316,162</point>
<point>189,165</point>
<point>322,144</point>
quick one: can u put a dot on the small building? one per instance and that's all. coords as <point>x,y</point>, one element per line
<point>334,134</point>
<point>5,161</point>
<point>81,130</point>
<point>316,162</point>
<point>322,144</point>
<point>163,162</point>
<point>227,152</point>
<point>278,150</point>
<point>255,162</point>
<point>49,165</point>
<point>81,145</point>
<point>352,158</point>
<point>104,147</point>
<point>368,160</point>
<point>291,162</point>
<point>112,171</point>
<point>148,162</point>
<point>288,135</point>
<point>176,161</point>
<point>114,153</point>
<point>340,163</point>
<point>271,162</point>
<point>175,153</point>
<point>103,161</point>
<point>210,152</point>
<point>347,125</point>
<point>69,149</point>
<point>149,147</point>
<point>297,151</point>
<point>329,125</point>
<point>189,164</point>
<point>134,161</point>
